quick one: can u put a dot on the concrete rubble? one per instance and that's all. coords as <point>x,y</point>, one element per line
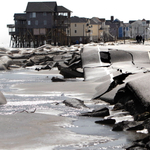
<point>120,76</point>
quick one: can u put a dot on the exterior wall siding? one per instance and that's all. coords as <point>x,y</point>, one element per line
<point>120,32</point>
<point>78,29</point>
<point>40,20</point>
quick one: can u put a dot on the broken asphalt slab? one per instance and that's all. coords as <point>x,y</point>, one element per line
<point>102,73</point>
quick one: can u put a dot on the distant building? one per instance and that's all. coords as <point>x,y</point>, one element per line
<point>42,22</point>
<point>118,29</point>
<point>105,34</point>
<point>124,31</point>
<point>95,29</point>
<point>47,23</point>
<point>78,30</point>
<point>83,30</point>
<point>140,27</point>
<point>114,27</point>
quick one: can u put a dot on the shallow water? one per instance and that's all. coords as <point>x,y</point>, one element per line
<point>81,125</point>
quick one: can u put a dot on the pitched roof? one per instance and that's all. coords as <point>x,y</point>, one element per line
<point>41,7</point>
<point>45,7</point>
<point>76,19</point>
<point>131,21</point>
<point>20,16</point>
<point>95,20</point>
<point>62,9</point>
<point>92,21</point>
<point>116,20</point>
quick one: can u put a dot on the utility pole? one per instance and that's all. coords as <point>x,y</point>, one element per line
<point>124,34</point>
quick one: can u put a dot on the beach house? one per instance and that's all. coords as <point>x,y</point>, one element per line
<point>42,22</point>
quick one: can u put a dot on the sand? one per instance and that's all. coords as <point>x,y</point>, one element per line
<point>38,131</point>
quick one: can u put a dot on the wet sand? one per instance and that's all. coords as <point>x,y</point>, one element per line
<point>38,131</point>
<point>46,131</point>
<point>71,88</point>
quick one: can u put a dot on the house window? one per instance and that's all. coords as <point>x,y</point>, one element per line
<point>62,14</point>
<point>36,22</point>
<point>45,22</point>
<point>29,22</point>
<point>44,14</point>
<point>33,15</point>
<point>75,31</point>
<point>75,25</point>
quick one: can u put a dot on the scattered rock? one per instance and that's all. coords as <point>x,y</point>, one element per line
<point>128,125</point>
<point>123,96</point>
<point>5,62</point>
<point>2,99</point>
<point>138,126</point>
<point>106,121</point>
<point>142,117</point>
<point>29,63</point>
<point>68,73</point>
<point>97,113</point>
<point>76,103</point>
<point>119,126</point>
<point>26,111</point>
<point>56,79</point>
<point>146,124</point>
<point>148,145</point>
<point>135,147</point>
<point>118,106</point>
<point>141,144</point>
<point>130,106</point>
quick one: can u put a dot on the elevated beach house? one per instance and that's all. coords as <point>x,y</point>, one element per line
<point>42,22</point>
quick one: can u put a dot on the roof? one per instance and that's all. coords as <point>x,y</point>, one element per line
<point>45,7</point>
<point>102,19</point>
<point>41,7</point>
<point>76,19</point>
<point>95,20</point>
<point>62,9</point>
<point>116,20</point>
<point>131,21</point>
<point>20,16</point>
<point>92,21</point>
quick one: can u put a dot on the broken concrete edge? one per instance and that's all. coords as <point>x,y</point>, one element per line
<point>75,103</point>
<point>145,106</point>
<point>117,80</point>
<point>102,112</point>
<point>2,99</point>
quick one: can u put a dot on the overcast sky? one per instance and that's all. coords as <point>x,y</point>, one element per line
<point>120,9</point>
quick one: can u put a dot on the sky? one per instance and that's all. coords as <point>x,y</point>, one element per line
<point>120,9</point>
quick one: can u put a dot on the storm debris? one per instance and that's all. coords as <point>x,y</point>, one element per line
<point>97,113</point>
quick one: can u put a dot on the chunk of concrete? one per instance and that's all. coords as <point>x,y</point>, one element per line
<point>2,99</point>
<point>5,62</point>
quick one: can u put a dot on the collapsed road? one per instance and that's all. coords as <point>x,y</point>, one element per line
<point>116,75</point>
<point>123,77</point>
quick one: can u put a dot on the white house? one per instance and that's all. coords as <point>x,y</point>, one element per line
<point>140,27</point>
